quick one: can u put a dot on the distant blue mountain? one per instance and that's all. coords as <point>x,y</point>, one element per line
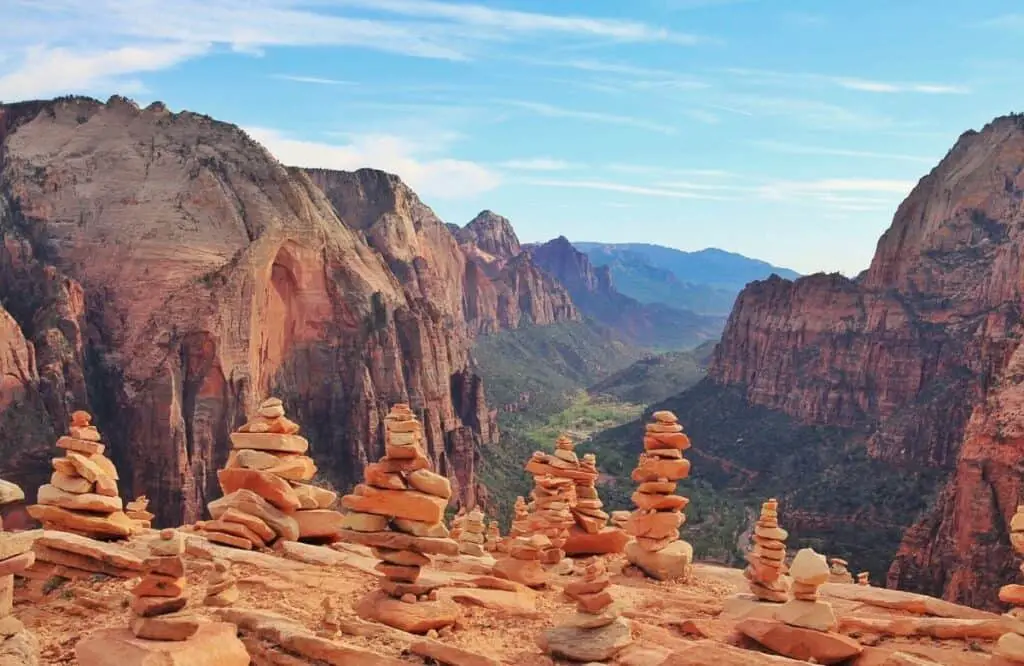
<point>706,281</point>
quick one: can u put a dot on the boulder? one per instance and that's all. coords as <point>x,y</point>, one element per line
<point>608,540</point>
<point>670,563</point>
<point>415,618</point>
<point>213,644</point>
<point>270,487</point>
<point>586,644</point>
<point>799,643</point>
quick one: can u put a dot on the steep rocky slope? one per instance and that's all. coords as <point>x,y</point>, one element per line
<point>168,273</point>
<point>918,358</point>
<point>646,324</point>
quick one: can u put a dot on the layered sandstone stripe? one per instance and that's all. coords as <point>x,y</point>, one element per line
<point>398,511</point>
<point>82,496</point>
<point>657,549</point>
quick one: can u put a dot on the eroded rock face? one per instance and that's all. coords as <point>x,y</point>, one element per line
<point>921,351</point>
<point>169,274</point>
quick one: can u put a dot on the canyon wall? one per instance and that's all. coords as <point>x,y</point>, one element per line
<point>919,355</point>
<point>163,271</point>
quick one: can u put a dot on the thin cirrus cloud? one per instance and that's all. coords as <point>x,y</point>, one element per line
<point>552,111</point>
<point>315,80</point>
<point>800,149</point>
<point>430,176</point>
<point>622,188</point>
<point>766,77</point>
<point>538,164</point>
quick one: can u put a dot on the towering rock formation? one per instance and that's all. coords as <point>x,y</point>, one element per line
<point>192,273</point>
<point>921,352</point>
<point>591,288</point>
<point>483,291</point>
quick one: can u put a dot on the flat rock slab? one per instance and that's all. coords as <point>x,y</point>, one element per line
<point>309,554</point>
<point>520,603</point>
<point>747,605</point>
<point>904,601</point>
<point>107,553</point>
<point>415,618</point>
<point>934,627</point>
<point>599,644</point>
<point>798,643</point>
<point>703,653</point>
<point>449,655</point>
<point>214,644</point>
<point>607,541</point>
<point>334,653</point>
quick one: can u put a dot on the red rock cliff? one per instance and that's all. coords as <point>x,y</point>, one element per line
<point>922,350</point>
<point>483,291</point>
<point>169,273</point>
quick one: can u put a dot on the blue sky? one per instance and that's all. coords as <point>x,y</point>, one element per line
<point>788,130</point>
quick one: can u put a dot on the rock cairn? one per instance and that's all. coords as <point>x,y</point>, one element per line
<point>221,586</point>
<point>804,628</point>
<point>457,521</point>
<point>657,549</point>
<point>838,571</point>
<point>864,578</point>
<point>161,594</point>
<point>493,540</point>
<point>137,511</point>
<point>15,557</point>
<point>82,494</point>
<point>767,559</point>
<point>620,519</point>
<point>266,494</point>
<point>523,564</point>
<point>398,511</point>
<point>809,571</point>
<point>550,515</point>
<point>521,521</point>
<point>1009,649</point>
<point>473,534</point>
<point>587,511</point>
<point>595,632</point>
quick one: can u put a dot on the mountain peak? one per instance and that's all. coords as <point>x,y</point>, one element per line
<point>491,233</point>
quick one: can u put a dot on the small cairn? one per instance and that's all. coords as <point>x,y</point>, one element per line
<point>767,560</point>
<point>221,586</point>
<point>137,511</point>
<point>82,494</point>
<point>15,557</point>
<point>838,572</point>
<point>493,537</point>
<point>523,562</point>
<point>657,549</point>
<point>457,522</point>
<point>587,510</point>
<point>620,519</point>
<point>399,511</point>
<point>1009,649</point>
<point>329,622</point>
<point>472,536</point>
<point>809,571</point>
<point>550,515</point>
<point>157,598</point>
<point>863,578</point>
<point>804,628</point>
<point>596,632</point>
<point>266,494</point>
<point>521,522</point>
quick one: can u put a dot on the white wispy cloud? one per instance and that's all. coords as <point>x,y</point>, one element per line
<point>429,175</point>
<point>43,71</point>
<point>798,149</point>
<point>851,194</point>
<point>552,111</point>
<point>768,77</point>
<point>316,80</point>
<point>538,164</point>
<point>623,188</point>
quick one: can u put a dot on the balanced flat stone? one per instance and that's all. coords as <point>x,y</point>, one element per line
<point>50,494</point>
<point>249,502</point>
<point>115,525</point>
<point>213,644</point>
<point>409,504</point>
<point>270,487</point>
<point>261,441</point>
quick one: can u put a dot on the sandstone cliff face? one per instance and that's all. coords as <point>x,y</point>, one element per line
<point>922,351</point>
<point>644,324</point>
<point>169,273</point>
<point>483,291</point>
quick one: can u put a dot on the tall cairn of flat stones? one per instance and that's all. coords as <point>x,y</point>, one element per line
<point>82,494</point>
<point>267,496</point>
<point>493,537</point>
<point>398,511</point>
<point>15,557</point>
<point>767,559</point>
<point>473,535</point>
<point>591,534</point>
<point>157,598</point>
<point>657,549</point>
<point>595,632</point>
<point>521,520</point>
<point>550,515</point>
<point>1009,649</point>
